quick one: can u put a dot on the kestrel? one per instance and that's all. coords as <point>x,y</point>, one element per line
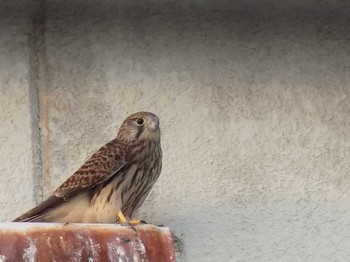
<point>112,183</point>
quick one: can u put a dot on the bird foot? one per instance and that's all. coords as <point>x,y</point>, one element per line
<point>122,220</point>
<point>135,222</point>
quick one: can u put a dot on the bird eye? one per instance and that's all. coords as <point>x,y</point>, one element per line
<point>140,121</point>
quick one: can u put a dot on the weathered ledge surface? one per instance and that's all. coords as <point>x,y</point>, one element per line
<point>43,242</point>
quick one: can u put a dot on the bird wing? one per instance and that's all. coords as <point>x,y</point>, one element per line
<point>101,166</point>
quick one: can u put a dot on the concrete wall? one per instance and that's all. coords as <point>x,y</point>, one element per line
<point>19,132</point>
<point>254,101</point>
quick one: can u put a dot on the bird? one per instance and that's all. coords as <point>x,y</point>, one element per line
<point>112,183</point>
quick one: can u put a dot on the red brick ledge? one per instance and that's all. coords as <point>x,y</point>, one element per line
<point>43,242</point>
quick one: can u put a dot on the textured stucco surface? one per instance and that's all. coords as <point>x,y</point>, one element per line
<point>254,101</point>
<point>18,136</point>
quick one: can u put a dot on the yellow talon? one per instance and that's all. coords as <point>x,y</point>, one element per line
<point>135,222</point>
<point>123,220</point>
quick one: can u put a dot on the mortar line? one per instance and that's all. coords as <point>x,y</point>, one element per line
<point>39,102</point>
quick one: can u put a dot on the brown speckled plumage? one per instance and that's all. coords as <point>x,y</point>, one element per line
<point>117,177</point>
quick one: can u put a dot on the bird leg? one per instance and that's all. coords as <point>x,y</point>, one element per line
<point>123,220</point>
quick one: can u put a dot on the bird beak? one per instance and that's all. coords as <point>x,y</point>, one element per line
<point>154,125</point>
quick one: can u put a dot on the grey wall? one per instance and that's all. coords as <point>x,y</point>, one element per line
<point>19,136</point>
<point>254,101</point>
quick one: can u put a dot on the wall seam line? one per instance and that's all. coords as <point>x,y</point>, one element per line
<point>39,102</point>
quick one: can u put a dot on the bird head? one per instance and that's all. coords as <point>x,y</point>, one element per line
<point>140,126</point>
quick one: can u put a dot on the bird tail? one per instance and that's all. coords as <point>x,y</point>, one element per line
<point>38,213</point>
<point>23,218</point>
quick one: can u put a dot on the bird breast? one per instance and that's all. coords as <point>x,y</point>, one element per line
<point>130,186</point>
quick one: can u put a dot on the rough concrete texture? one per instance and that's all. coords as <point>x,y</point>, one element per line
<point>254,102</point>
<point>19,158</point>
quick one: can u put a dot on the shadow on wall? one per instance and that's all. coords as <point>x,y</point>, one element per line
<point>136,10</point>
